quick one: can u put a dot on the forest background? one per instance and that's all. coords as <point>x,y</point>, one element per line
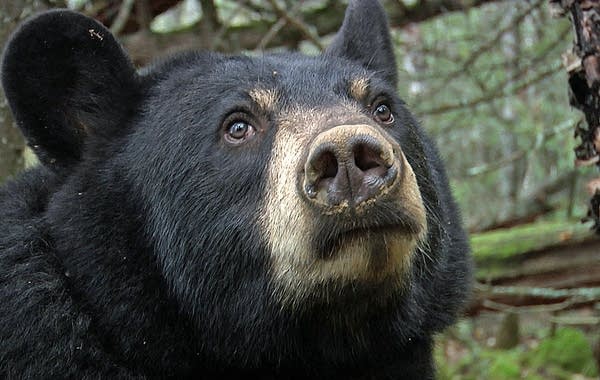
<point>488,80</point>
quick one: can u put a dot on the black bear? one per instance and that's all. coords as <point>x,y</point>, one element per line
<point>282,216</point>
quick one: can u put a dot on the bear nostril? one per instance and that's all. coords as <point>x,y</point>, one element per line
<point>372,171</point>
<point>327,165</point>
<point>367,158</point>
<point>322,170</point>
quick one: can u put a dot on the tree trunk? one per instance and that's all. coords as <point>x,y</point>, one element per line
<point>583,66</point>
<point>11,141</point>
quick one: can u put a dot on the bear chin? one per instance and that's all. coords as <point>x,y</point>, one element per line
<point>366,266</point>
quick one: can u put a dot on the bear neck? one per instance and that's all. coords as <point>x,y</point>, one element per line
<point>96,233</point>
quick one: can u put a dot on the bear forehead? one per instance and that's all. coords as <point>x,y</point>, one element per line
<point>281,77</point>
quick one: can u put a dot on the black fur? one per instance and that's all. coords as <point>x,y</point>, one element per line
<point>135,250</point>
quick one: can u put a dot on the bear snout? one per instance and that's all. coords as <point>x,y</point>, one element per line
<point>348,166</point>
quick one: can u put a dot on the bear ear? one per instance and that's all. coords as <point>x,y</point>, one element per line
<point>365,37</point>
<point>66,78</point>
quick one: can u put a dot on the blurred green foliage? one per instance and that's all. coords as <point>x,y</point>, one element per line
<point>567,350</point>
<point>560,356</point>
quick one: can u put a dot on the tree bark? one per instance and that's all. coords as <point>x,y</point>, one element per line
<point>12,144</point>
<point>583,66</point>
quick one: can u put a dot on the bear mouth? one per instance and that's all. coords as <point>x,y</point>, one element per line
<point>331,240</point>
<point>362,232</point>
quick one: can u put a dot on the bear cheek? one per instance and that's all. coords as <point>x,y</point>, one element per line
<point>288,225</point>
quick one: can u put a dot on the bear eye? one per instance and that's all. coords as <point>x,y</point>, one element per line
<point>239,131</point>
<point>383,114</point>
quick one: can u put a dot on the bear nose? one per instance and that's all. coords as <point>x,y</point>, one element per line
<point>349,165</point>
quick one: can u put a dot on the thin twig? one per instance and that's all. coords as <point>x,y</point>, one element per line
<point>582,294</point>
<point>298,24</point>
<point>538,144</point>
<point>575,320</point>
<point>122,17</point>
<point>218,37</point>
<point>489,44</point>
<point>498,93</point>
<point>281,22</point>
<point>529,309</point>
<point>143,14</point>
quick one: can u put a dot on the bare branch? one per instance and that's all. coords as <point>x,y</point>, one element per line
<point>299,24</point>
<point>122,17</point>
<point>143,14</point>
<point>582,294</point>
<point>482,49</point>
<point>499,92</point>
<point>538,144</point>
